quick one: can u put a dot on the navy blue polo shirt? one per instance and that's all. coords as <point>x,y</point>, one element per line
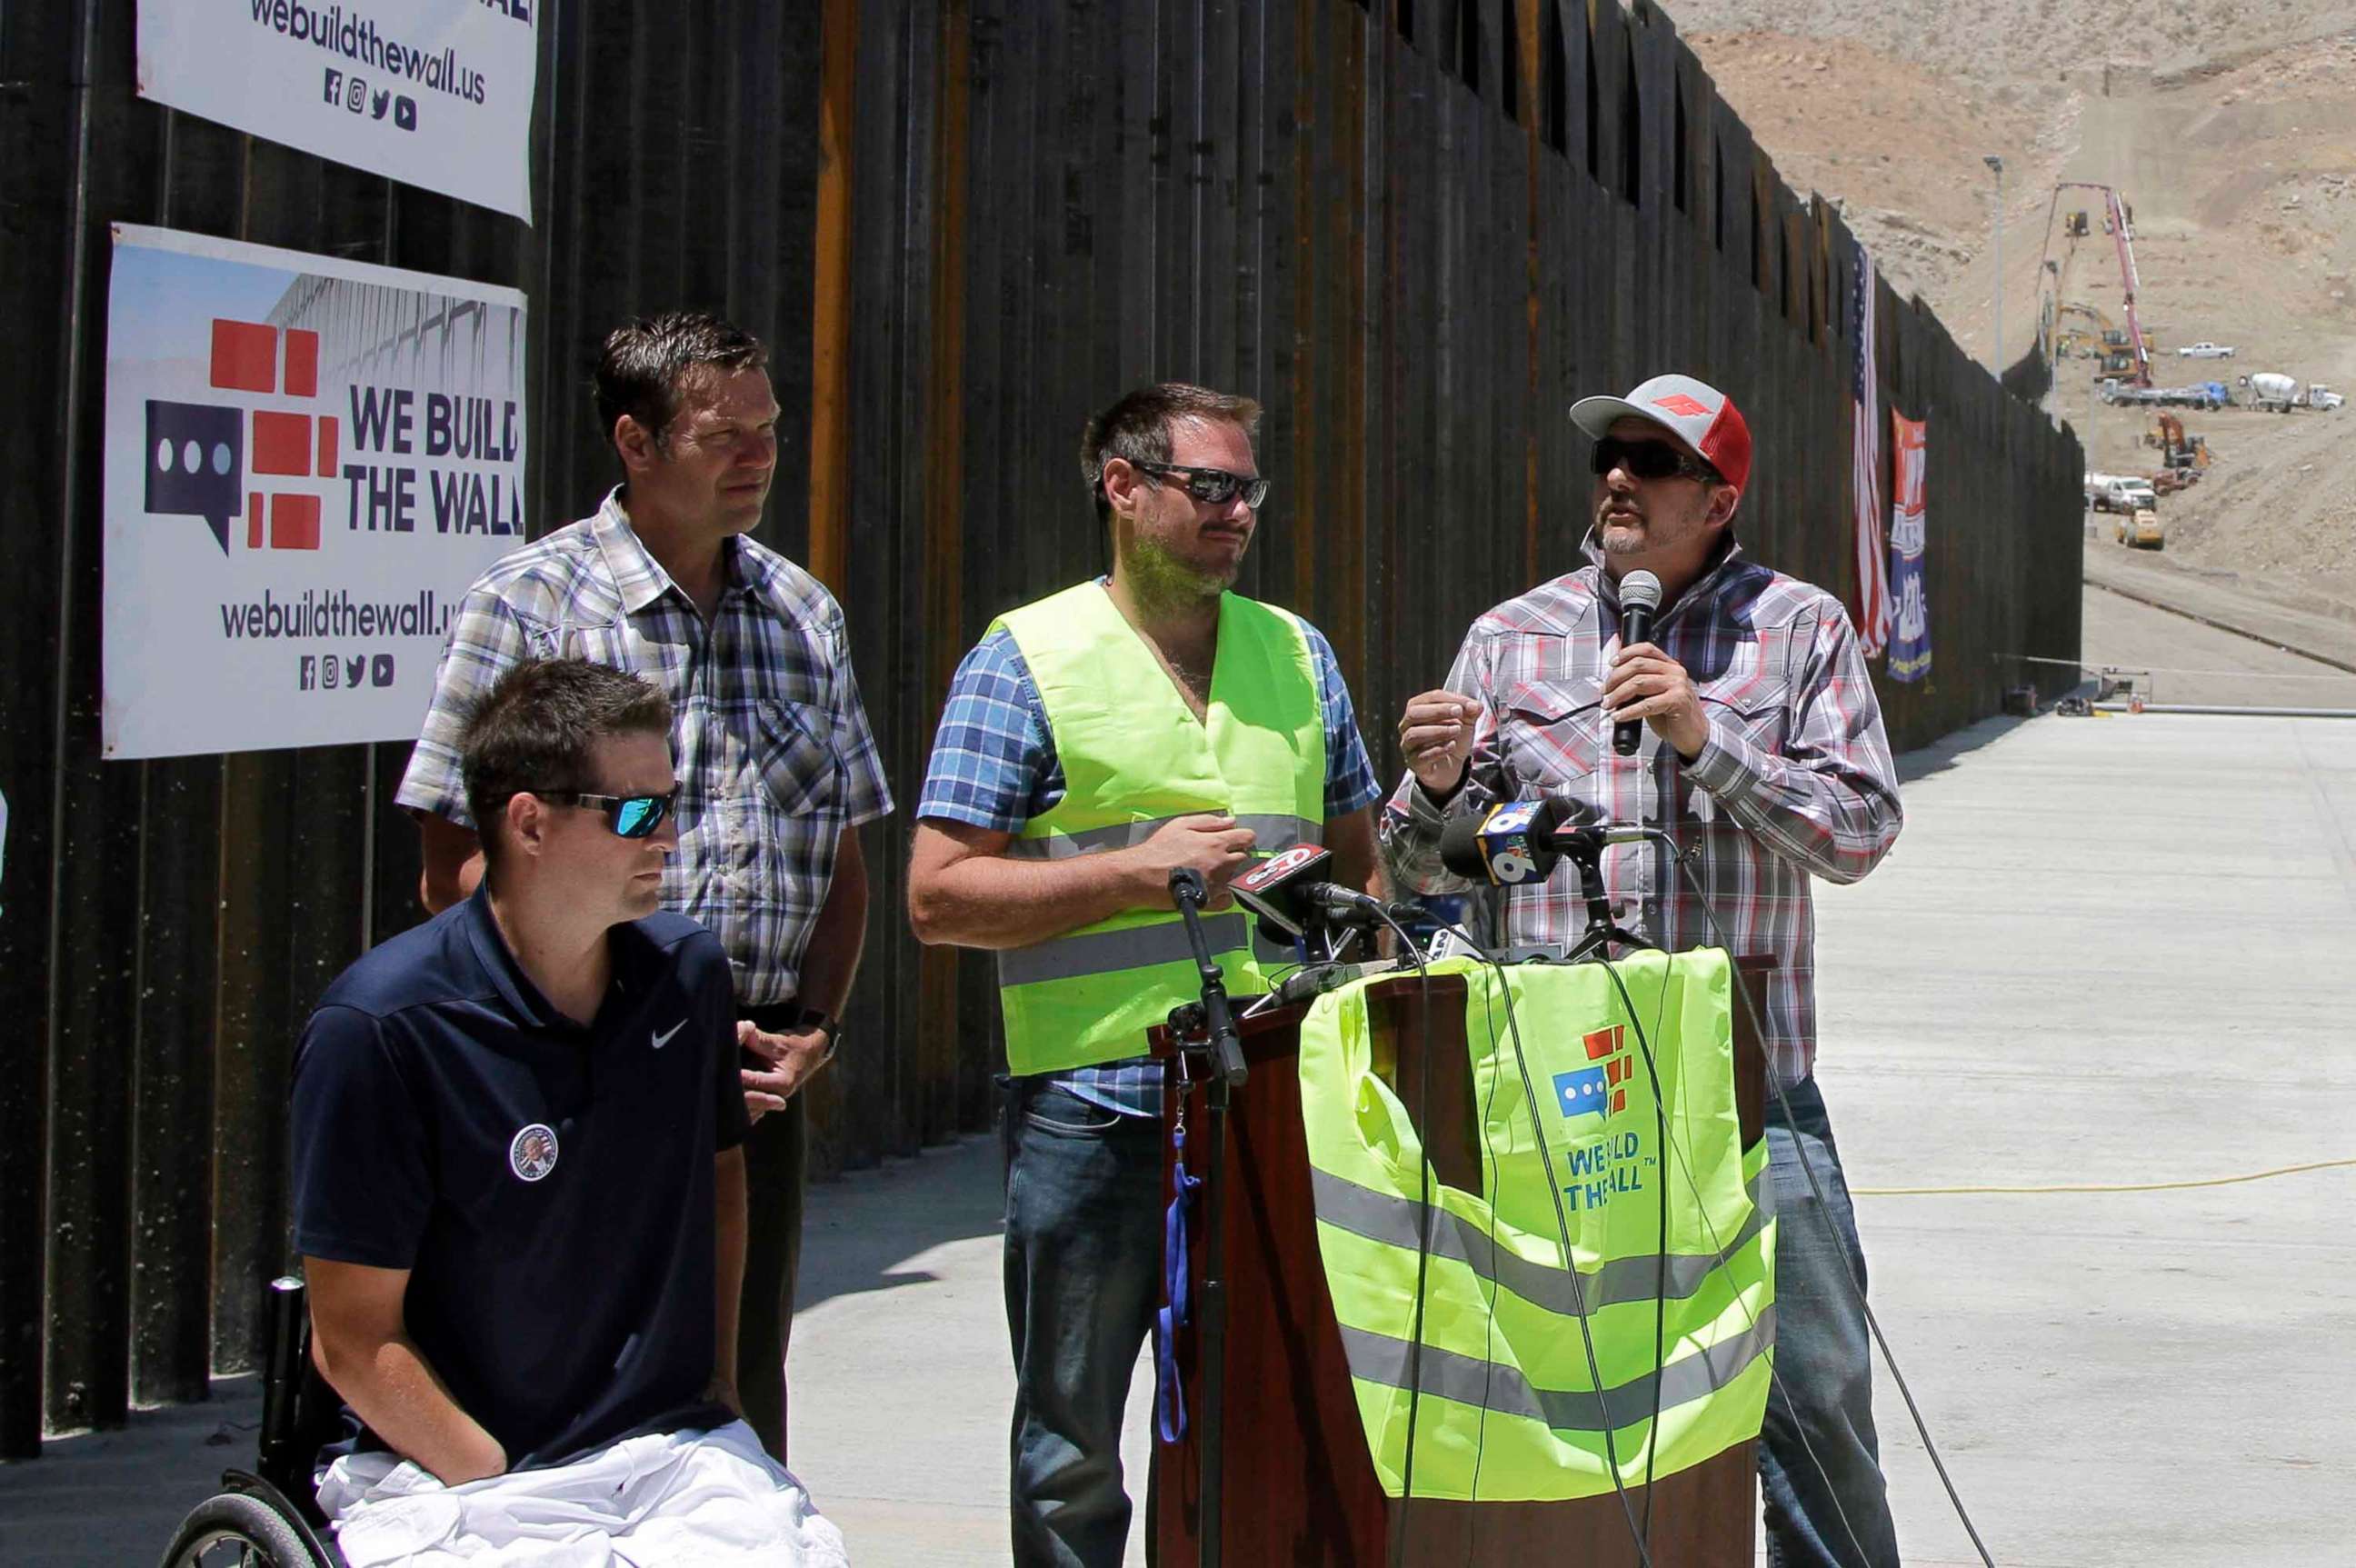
<point>549,1186</point>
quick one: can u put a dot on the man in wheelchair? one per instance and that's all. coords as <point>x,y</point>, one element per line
<point>519,1193</point>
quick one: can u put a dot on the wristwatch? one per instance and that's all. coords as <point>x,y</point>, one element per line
<point>816,1018</point>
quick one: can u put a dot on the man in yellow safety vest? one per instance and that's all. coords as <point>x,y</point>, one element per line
<point>1094,741</point>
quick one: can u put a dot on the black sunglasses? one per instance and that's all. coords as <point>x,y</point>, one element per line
<point>1649,460</point>
<point>630,816</point>
<point>1212,487</point>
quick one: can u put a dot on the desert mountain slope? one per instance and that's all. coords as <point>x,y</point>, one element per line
<point>2231,130</point>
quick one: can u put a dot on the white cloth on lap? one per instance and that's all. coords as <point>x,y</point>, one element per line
<point>680,1499</point>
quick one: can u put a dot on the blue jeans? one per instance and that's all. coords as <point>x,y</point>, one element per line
<point>1819,1464</point>
<point>1083,1279</point>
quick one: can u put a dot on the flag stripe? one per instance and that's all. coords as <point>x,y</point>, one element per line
<point>1865,468</point>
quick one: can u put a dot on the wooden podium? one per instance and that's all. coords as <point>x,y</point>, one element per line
<point>1299,1488</point>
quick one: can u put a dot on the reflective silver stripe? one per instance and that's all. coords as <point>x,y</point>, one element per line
<point>1272,832</point>
<point>1468,1379</point>
<point>1109,952</point>
<point>1393,1221</point>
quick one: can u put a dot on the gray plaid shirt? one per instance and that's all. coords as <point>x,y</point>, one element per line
<point>1795,782</point>
<point>773,755</point>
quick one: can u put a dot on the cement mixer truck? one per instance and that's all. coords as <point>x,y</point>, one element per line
<point>2270,392</point>
<point>2281,393</point>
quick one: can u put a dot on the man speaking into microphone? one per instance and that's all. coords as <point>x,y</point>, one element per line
<point>1747,730</point>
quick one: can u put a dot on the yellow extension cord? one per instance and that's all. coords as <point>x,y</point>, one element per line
<point>2120,1186</point>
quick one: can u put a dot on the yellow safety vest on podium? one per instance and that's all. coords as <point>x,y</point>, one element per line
<point>1508,1410</point>
<point>1134,757</point>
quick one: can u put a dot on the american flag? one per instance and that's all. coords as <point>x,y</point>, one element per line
<point>1865,468</point>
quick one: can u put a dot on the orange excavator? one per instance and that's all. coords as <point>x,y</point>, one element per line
<point>2177,451</point>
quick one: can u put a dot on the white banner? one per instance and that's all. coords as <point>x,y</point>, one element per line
<point>433,92</point>
<point>307,461</point>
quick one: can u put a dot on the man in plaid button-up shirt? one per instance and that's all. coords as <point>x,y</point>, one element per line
<point>776,766</point>
<point>1765,754</point>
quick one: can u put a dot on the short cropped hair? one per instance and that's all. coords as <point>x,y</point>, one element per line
<point>645,366</point>
<point>533,732</point>
<point>1138,428</point>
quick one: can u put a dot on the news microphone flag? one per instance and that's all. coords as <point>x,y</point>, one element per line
<point>1505,848</point>
<point>1272,889</point>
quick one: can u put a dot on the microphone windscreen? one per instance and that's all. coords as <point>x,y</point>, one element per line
<point>1460,848</point>
<point>1640,590</point>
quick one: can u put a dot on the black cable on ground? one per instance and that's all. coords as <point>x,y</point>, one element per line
<point>1855,1288</point>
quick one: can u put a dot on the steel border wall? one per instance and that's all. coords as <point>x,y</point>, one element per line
<point>1415,231</point>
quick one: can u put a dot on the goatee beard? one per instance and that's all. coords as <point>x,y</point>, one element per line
<point>1160,579</point>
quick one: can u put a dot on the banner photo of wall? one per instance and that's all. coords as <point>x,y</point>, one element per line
<point>1909,624</point>
<point>435,94</point>
<point>307,462</point>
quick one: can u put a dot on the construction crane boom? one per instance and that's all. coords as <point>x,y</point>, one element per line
<point>2131,283</point>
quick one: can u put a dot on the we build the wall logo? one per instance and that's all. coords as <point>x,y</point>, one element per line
<point>1613,1161</point>
<point>1593,1090</point>
<point>200,457</point>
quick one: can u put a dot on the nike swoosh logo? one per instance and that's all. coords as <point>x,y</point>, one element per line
<point>664,1038</point>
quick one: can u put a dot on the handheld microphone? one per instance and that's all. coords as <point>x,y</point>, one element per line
<point>1291,894</point>
<point>1520,842</point>
<point>1640,597</point>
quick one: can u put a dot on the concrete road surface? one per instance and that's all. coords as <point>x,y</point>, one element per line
<point>2111,951</point>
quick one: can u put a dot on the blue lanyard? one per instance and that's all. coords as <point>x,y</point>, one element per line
<point>1177,1296</point>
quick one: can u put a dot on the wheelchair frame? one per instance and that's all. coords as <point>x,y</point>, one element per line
<point>299,1416</point>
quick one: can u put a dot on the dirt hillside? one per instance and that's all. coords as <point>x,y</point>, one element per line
<point>2229,127</point>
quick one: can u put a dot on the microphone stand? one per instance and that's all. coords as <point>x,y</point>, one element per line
<point>1187,891</point>
<point>1584,849</point>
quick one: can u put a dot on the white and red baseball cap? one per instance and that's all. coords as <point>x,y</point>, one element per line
<point>1695,413</point>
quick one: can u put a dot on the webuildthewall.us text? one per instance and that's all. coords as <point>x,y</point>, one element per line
<point>334,613</point>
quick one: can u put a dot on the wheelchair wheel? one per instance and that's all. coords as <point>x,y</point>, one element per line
<point>235,1529</point>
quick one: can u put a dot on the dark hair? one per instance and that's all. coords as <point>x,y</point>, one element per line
<point>1138,428</point>
<point>533,732</point>
<point>645,366</point>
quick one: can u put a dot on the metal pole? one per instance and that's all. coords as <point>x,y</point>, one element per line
<point>2225,710</point>
<point>1996,222</point>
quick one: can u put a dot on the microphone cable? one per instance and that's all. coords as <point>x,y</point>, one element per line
<point>1718,1246</point>
<point>1661,1253</point>
<point>1717,1243</point>
<point>1847,1273</point>
<point>1398,1543</point>
<point>1644,1047</point>
<point>1562,1230</point>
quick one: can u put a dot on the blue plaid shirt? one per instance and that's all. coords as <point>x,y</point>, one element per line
<point>774,754</point>
<point>994,766</point>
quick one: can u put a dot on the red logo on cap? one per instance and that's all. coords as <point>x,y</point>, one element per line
<point>1681,404</point>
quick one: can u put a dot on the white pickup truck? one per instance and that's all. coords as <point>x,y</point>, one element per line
<point>2206,351</point>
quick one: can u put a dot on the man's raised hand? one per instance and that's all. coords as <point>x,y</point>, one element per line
<point>1436,735</point>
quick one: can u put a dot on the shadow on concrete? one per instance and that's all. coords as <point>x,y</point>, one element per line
<point>860,1232</point>
<point>117,1497</point>
<point>1942,754</point>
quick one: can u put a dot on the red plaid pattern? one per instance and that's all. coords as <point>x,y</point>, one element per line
<point>1796,779</point>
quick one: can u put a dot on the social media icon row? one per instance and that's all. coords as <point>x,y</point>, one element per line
<point>328,672</point>
<point>354,93</point>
